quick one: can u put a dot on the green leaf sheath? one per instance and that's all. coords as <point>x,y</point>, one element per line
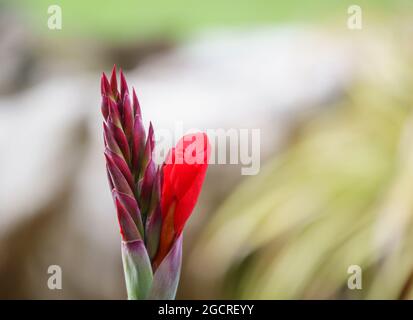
<point>137,268</point>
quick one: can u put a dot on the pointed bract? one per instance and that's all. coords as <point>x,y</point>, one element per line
<point>110,141</point>
<point>114,113</point>
<point>166,277</point>
<point>156,191</point>
<point>132,207</point>
<point>121,140</point>
<point>138,144</point>
<point>123,85</point>
<point>147,184</point>
<point>105,107</point>
<point>104,86</point>
<point>128,229</point>
<point>151,136</point>
<point>153,231</point>
<point>114,82</point>
<point>127,117</point>
<point>122,166</point>
<point>119,181</point>
<point>147,155</point>
<point>136,106</point>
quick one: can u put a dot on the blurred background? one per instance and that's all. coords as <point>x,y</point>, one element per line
<point>334,106</point>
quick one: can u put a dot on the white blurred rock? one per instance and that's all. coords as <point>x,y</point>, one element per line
<point>39,139</point>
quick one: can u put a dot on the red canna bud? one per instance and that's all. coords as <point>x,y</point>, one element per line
<point>183,175</point>
<point>153,203</point>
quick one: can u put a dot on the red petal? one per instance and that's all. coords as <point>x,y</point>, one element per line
<point>183,176</point>
<point>187,203</point>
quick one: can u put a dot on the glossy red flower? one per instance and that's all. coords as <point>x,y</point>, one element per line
<point>183,175</point>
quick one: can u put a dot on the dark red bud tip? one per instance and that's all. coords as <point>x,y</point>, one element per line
<point>114,82</point>
<point>136,106</point>
<point>151,136</point>
<point>104,85</point>
<point>123,84</point>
